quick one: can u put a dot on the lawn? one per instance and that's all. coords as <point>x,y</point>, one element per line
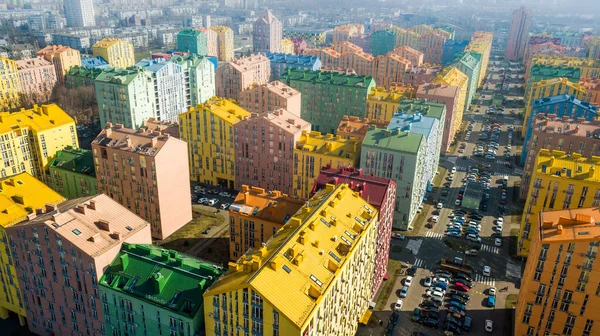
<point>185,237</point>
<point>394,267</point>
<point>511,301</point>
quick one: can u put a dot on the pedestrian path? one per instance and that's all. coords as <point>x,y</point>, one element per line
<point>500,161</point>
<point>420,263</point>
<point>485,280</point>
<point>434,235</point>
<point>491,249</point>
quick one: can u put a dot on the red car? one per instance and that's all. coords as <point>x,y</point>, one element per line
<point>460,287</point>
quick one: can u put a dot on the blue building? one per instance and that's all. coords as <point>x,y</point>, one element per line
<point>452,50</point>
<point>94,63</point>
<point>561,106</point>
<point>280,61</point>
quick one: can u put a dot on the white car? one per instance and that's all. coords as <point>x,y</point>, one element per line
<point>398,305</point>
<point>499,221</point>
<point>434,293</point>
<point>408,281</point>
<point>440,205</point>
<point>489,326</point>
<point>471,252</point>
<point>398,236</point>
<point>438,279</point>
<point>435,219</point>
<point>492,291</point>
<point>498,242</point>
<point>453,170</point>
<point>487,271</point>
<point>457,202</point>
<point>473,237</point>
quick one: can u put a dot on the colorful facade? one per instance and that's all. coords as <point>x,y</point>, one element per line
<point>425,73</point>
<point>328,244</point>
<point>211,150</point>
<point>481,47</point>
<point>328,96</point>
<point>451,76</point>
<point>592,90</point>
<point>62,57</point>
<point>199,77</point>
<point>147,172</point>
<point>193,41</point>
<point>94,63</point>
<point>270,97</point>
<point>452,50</point>
<point>383,103</point>
<point>347,32</point>
<point>312,37</point>
<point>314,151</point>
<point>542,72</point>
<point>61,293</point>
<point>448,95</point>
<point>267,33</point>
<point>355,127</point>
<point>225,52</point>
<point>10,85</point>
<point>211,41</point>
<point>158,291</point>
<point>389,70</point>
<point>280,61</point>
<point>237,76</point>
<point>255,208</point>
<point>287,46</point>
<point>22,194</point>
<point>414,56</point>
<point>383,41</point>
<point>559,181</point>
<point>565,243</point>
<point>470,66</point>
<point>72,173</point>
<point>118,53</point>
<point>37,77</point>
<point>170,87</point>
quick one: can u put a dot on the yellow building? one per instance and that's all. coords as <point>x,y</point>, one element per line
<point>312,277</point>
<point>287,46</point>
<point>314,151</point>
<point>453,77</point>
<point>559,288</point>
<point>208,131</point>
<point>62,57</point>
<point>116,52</point>
<point>20,196</point>
<point>383,103</point>
<point>558,182</point>
<point>225,51</point>
<point>481,44</point>
<point>29,139</point>
<point>10,85</point>
<point>551,87</point>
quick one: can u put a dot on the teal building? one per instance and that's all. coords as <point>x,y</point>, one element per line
<point>72,173</point>
<point>147,290</point>
<point>192,41</point>
<point>470,65</point>
<point>79,76</point>
<point>382,42</point>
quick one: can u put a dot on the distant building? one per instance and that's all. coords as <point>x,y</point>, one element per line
<point>147,172</point>
<point>382,42</point>
<point>236,76</point>
<point>417,75</point>
<point>269,210</point>
<point>279,62</point>
<point>519,33</point>
<point>592,90</point>
<point>270,97</point>
<point>169,88</point>
<point>80,13</point>
<point>211,41</point>
<point>267,33</point>
<point>414,56</point>
<point>38,78</point>
<point>287,46</point>
<point>74,41</point>
<point>192,41</point>
<point>199,77</point>
<point>10,86</point>
<point>94,63</point>
<point>347,32</point>
<point>452,48</point>
<point>299,45</point>
<point>62,57</point>
<point>158,282</point>
<point>225,51</point>
<point>72,173</point>
<point>116,52</point>
<point>270,168</point>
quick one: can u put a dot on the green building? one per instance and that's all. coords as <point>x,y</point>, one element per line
<point>72,173</point>
<point>147,290</point>
<point>470,65</point>
<point>78,76</point>
<point>328,96</point>
<point>192,41</point>
<point>541,72</point>
<point>382,42</point>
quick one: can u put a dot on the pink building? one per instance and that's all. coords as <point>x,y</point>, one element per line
<point>389,70</point>
<point>267,33</point>
<point>564,134</point>
<point>299,45</point>
<point>592,90</point>
<point>264,151</point>
<point>432,45</point>
<point>414,56</point>
<point>61,252</point>
<point>38,78</point>
<point>380,193</point>
<point>269,97</point>
<point>441,93</point>
<point>236,76</point>
<point>166,126</point>
<point>518,35</point>
<point>62,57</point>
<point>148,173</point>
<point>211,40</point>
<point>417,75</point>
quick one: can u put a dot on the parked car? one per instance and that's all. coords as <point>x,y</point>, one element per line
<point>431,322</point>
<point>498,241</point>
<point>427,281</point>
<point>398,236</point>
<point>487,271</point>
<point>416,316</point>
<point>492,291</point>
<point>408,281</point>
<point>398,305</point>
<point>489,326</point>
<point>403,291</point>
<point>491,301</point>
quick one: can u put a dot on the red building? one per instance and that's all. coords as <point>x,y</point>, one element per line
<point>380,193</point>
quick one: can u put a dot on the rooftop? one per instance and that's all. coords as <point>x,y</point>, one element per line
<point>277,88</point>
<point>108,42</point>
<point>77,71</point>
<point>267,17</point>
<point>120,76</point>
<point>562,166</point>
<point>94,224</point>
<point>189,32</point>
<point>438,89</point>
<point>558,80</point>
<point>328,144</point>
<point>94,62</point>
<point>30,63</point>
<point>452,76</point>
<point>302,258</point>
<point>143,142</point>
<point>38,118</point>
<point>538,70</point>
<point>220,29</point>
<point>76,160</point>
<point>284,120</point>
<point>422,107</point>
<point>592,84</point>
<point>416,123</point>
<point>167,127</point>
<point>272,206</point>
<point>394,94</point>
<point>21,195</point>
<point>248,62</point>
<point>395,140</point>
<point>162,277</point>
<point>51,50</point>
<point>569,225</point>
<point>357,127</point>
<point>469,61</point>
<point>327,77</point>
<point>298,60</point>
<point>566,99</point>
<point>223,108</point>
<point>551,124</point>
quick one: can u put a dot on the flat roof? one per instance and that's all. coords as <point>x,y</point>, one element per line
<point>569,225</point>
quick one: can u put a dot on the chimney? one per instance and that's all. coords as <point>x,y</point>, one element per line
<point>51,207</point>
<point>153,141</point>
<point>128,142</point>
<point>559,230</point>
<point>39,211</point>
<point>103,224</point>
<point>116,235</point>
<point>31,216</point>
<point>81,208</point>
<point>92,204</point>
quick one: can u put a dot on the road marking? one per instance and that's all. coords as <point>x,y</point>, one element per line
<point>491,249</point>
<point>420,263</point>
<point>414,245</point>
<point>485,280</point>
<point>434,235</point>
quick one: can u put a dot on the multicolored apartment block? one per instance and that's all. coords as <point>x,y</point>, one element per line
<point>225,52</point>
<point>269,97</point>
<point>63,58</point>
<point>72,173</point>
<point>170,87</point>
<point>382,103</point>
<point>61,293</point>
<point>37,77</point>
<point>10,85</point>
<point>347,32</point>
<point>287,46</point>
<point>481,46</point>
<point>148,173</point>
<point>451,76</point>
<point>448,95</point>
<point>198,76</point>
<point>280,61</point>
<point>149,290</point>
<point>264,150</point>
<point>208,131</point>
<point>267,33</point>
<point>355,127</point>
<point>470,65</point>
<point>592,90</point>
<point>334,228</point>
<point>118,53</point>
<point>383,41</point>
<point>237,76</point>
<point>379,193</point>
<point>541,72</point>
<point>193,41</point>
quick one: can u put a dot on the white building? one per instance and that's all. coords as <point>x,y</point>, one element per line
<point>80,13</point>
<point>169,88</point>
<point>199,76</point>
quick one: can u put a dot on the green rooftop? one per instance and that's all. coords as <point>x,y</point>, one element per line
<point>469,60</point>
<point>78,71</point>
<point>119,75</point>
<point>326,77</point>
<point>554,71</point>
<point>405,142</point>
<point>161,277</point>
<point>189,32</point>
<point>76,160</point>
<point>426,108</point>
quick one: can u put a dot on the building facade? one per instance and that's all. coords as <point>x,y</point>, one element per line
<point>148,173</point>
<point>116,52</point>
<point>519,34</point>
<point>280,61</point>
<point>267,33</point>
<point>592,90</point>
<point>237,76</point>
<point>383,103</point>
<point>225,52</point>
<point>382,42</point>
<point>470,66</point>
<point>451,76</point>
<point>270,97</point>
<point>447,95</point>
<point>80,13</point>
<point>289,268</point>
<point>37,77</point>
<point>481,47</point>
<point>72,173</point>
<point>199,78</point>
<point>170,88</point>
<point>62,57</point>
<point>10,85</point>
<point>158,291</point>
<point>192,41</point>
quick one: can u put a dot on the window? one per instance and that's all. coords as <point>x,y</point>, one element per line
<point>76,232</point>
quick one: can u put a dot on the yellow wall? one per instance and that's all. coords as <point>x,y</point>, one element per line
<point>383,103</point>
<point>34,195</point>
<point>116,52</point>
<point>224,43</point>
<point>51,130</point>
<point>314,151</point>
<point>287,46</point>
<point>540,195</point>
<point>481,43</point>
<point>214,143</point>
<point>10,85</point>
<point>453,77</point>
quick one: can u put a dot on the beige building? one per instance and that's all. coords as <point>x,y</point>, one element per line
<point>148,173</point>
<point>269,97</point>
<point>62,57</point>
<point>225,51</point>
<point>211,40</point>
<point>116,52</point>
<point>237,76</point>
<point>38,78</point>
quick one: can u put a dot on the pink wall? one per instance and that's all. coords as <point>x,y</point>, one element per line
<point>38,81</point>
<point>449,130</point>
<point>384,235</point>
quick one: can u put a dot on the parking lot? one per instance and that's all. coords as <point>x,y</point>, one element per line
<point>216,197</point>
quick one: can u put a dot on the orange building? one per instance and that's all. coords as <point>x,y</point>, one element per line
<point>414,56</point>
<point>254,217</point>
<point>355,127</point>
<point>560,287</point>
<point>592,90</point>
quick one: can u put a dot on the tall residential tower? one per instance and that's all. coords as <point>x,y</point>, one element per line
<point>519,33</point>
<point>267,33</point>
